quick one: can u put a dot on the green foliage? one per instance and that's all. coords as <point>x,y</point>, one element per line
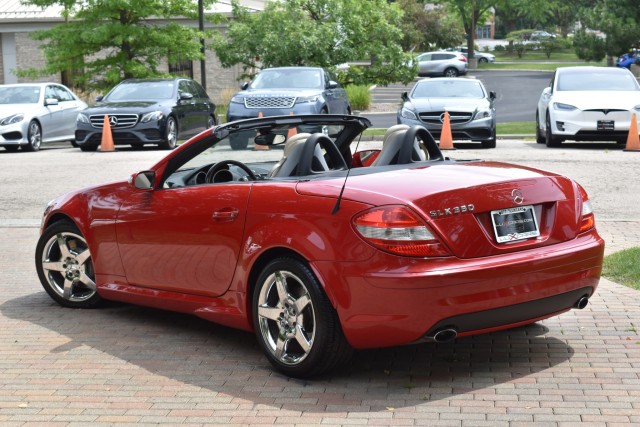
<point>359,96</point>
<point>549,45</point>
<point>425,29</point>
<point>322,33</point>
<point>618,20</point>
<point>109,41</point>
<point>623,267</point>
<point>589,47</point>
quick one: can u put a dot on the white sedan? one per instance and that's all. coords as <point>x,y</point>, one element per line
<point>36,113</point>
<point>587,104</point>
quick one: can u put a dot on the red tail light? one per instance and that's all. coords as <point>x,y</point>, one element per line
<point>463,58</point>
<point>397,230</point>
<point>587,220</point>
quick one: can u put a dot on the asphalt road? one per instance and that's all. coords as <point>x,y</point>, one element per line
<point>517,95</point>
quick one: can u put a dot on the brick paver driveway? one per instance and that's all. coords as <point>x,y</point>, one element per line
<point>131,365</point>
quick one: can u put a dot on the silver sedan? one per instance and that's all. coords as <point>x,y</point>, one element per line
<point>35,113</point>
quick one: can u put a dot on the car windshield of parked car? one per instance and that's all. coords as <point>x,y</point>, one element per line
<point>19,94</point>
<point>596,81</point>
<point>459,88</point>
<point>140,91</point>
<point>288,79</point>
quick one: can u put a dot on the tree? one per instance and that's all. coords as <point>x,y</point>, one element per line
<point>425,29</point>
<point>114,40</point>
<point>619,20</point>
<point>322,33</point>
<point>470,12</point>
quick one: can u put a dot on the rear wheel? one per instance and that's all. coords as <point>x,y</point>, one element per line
<point>170,134</point>
<point>65,266</point>
<point>34,136</point>
<point>550,138</point>
<point>211,122</point>
<point>294,321</point>
<point>451,72</point>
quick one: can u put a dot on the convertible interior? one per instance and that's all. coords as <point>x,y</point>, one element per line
<point>313,152</point>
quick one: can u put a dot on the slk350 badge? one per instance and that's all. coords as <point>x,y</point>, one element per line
<point>452,211</point>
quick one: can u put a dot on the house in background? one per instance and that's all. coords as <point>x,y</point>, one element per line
<point>19,51</point>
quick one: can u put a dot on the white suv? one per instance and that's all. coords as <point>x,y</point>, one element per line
<point>442,63</point>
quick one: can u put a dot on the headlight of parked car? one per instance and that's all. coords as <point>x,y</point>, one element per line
<point>15,118</point>
<point>483,114</point>
<point>82,118</point>
<point>303,99</point>
<point>237,99</point>
<point>152,116</point>
<point>563,107</point>
<point>408,114</point>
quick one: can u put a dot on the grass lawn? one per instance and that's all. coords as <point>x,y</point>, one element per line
<point>623,267</point>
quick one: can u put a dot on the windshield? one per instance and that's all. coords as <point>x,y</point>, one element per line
<point>19,94</point>
<point>137,91</point>
<point>596,81</point>
<point>459,88</point>
<point>288,79</point>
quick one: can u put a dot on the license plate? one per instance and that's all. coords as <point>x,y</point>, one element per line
<point>606,125</point>
<point>513,224</point>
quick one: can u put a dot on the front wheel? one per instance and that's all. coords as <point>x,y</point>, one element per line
<point>34,136</point>
<point>170,134</point>
<point>294,321</point>
<point>550,138</point>
<point>65,266</point>
<point>540,138</point>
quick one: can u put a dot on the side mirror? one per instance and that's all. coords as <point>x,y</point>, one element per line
<point>50,101</point>
<point>332,84</point>
<point>186,96</point>
<point>244,86</point>
<point>404,96</point>
<point>143,180</point>
<point>492,95</point>
<point>99,98</point>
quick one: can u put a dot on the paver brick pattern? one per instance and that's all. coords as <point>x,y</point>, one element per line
<point>128,365</point>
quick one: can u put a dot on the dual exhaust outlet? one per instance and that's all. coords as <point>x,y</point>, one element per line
<point>450,333</point>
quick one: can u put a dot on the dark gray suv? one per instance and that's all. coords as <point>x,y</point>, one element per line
<point>284,91</point>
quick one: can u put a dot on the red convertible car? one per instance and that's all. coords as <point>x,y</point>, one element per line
<point>323,242</point>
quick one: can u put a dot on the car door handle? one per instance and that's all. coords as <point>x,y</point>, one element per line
<point>225,215</point>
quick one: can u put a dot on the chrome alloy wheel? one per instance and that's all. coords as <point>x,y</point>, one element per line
<point>286,317</point>
<point>67,267</point>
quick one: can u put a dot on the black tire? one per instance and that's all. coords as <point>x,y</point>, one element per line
<point>74,143</point>
<point>483,60</point>
<point>240,140</point>
<point>65,266</point>
<point>540,138</point>
<point>491,143</point>
<point>451,72</point>
<point>296,326</point>
<point>211,122</point>
<point>170,134</point>
<point>12,148</point>
<point>88,147</point>
<point>550,138</point>
<point>34,136</point>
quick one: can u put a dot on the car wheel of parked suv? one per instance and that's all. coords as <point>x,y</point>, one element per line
<point>451,72</point>
<point>540,138</point>
<point>552,140</point>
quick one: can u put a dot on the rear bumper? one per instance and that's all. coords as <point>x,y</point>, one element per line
<point>400,301</point>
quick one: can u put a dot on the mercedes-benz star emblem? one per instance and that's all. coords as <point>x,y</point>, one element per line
<point>442,117</point>
<point>518,198</point>
<point>113,120</point>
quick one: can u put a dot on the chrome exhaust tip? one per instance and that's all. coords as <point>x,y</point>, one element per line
<point>581,303</point>
<point>445,335</point>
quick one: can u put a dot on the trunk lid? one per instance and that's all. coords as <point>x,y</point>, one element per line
<point>457,199</point>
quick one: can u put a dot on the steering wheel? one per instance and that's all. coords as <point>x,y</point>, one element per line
<point>224,165</point>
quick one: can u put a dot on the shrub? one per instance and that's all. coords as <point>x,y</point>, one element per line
<point>359,96</point>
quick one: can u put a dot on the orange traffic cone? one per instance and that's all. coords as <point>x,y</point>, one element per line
<point>446,140</point>
<point>633,139</point>
<point>260,147</point>
<point>293,130</point>
<point>107,139</point>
